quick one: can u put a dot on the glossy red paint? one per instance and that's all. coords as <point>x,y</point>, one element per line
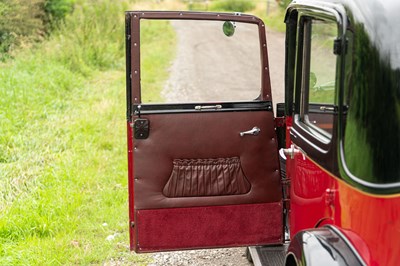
<point>130,182</point>
<point>310,196</point>
<point>370,222</point>
<point>374,219</point>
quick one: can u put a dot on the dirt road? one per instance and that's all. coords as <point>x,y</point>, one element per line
<point>276,57</point>
<point>219,80</point>
<point>210,66</point>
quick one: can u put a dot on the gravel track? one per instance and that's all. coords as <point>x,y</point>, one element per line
<point>222,256</point>
<point>212,67</point>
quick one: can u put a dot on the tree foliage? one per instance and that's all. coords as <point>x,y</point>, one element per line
<point>25,21</point>
<point>232,5</point>
<point>284,3</point>
<point>56,10</point>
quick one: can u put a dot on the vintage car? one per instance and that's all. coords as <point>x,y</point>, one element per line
<point>315,181</point>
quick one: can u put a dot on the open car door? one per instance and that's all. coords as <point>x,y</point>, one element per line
<point>203,160</point>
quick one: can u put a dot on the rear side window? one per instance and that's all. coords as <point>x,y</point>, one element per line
<point>315,108</point>
<point>318,80</point>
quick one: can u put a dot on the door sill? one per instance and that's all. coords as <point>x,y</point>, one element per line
<point>268,255</point>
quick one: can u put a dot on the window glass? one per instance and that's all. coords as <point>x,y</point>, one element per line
<point>322,62</point>
<point>196,61</point>
<point>318,77</point>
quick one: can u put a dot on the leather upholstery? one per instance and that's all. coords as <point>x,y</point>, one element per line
<point>206,135</point>
<point>206,177</point>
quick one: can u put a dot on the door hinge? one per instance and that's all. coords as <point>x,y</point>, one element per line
<point>141,128</point>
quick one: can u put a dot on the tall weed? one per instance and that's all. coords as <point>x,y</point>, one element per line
<point>20,22</point>
<point>63,185</point>
<point>232,5</point>
<point>92,38</point>
<point>24,22</point>
<point>56,11</point>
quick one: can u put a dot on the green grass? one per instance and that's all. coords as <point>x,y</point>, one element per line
<point>157,51</point>
<point>64,174</point>
<point>274,19</point>
<point>67,177</point>
<point>232,5</point>
<point>63,162</point>
<point>322,96</point>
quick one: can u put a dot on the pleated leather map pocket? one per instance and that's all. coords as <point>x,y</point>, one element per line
<point>206,177</point>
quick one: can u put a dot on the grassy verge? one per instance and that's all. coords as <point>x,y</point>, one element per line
<point>157,50</point>
<point>67,181</point>
<point>63,180</point>
<point>272,15</point>
<point>269,11</point>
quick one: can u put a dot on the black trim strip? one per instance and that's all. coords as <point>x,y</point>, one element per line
<point>128,65</point>
<point>190,107</point>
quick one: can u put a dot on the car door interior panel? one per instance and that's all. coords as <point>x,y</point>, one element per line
<point>216,139</point>
<point>204,173</point>
<point>227,170</point>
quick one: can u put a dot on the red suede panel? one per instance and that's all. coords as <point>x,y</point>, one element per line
<point>201,227</point>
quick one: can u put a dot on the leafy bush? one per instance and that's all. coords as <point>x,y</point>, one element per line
<point>20,22</point>
<point>92,37</point>
<point>284,3</point>
<point>23,22</point>
<point>232,5</point>
<point>56,10</point>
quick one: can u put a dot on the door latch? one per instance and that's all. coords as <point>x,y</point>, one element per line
<point>292,151</point>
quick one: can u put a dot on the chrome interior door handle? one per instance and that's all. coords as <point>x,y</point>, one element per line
<point>254,131</point>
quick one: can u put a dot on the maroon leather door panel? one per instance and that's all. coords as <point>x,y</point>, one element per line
<point>208,137</point>
<point>195,176</point>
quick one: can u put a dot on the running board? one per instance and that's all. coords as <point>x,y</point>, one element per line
<point>268,255</point>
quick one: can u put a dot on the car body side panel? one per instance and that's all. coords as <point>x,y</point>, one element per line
<point>370,222</point>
